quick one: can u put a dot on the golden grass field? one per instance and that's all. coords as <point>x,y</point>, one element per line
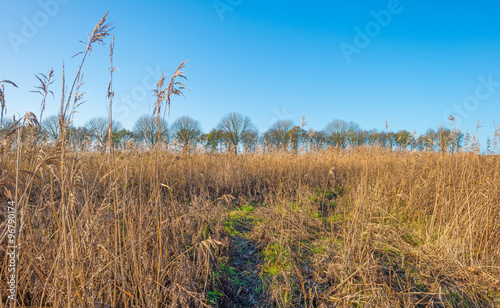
<point>364,227</point>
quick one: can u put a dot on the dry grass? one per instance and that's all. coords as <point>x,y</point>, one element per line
<point>364,227</point>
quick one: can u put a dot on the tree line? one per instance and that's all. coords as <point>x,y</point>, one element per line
<point>236,133</point>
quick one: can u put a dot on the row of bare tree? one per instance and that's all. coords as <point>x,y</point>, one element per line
<point>237,133</point>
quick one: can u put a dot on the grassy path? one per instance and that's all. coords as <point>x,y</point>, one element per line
<point>243,286</point>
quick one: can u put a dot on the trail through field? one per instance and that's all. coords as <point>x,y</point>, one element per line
<point>245,287</point>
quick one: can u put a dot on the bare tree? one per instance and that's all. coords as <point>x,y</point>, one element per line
<point>317,139</point>
<point>430,139</point>
<point>98,129</point>
<point>80,138</point>
<point>236,129</point>
<point>403,138</point>
<point>146,130</point>
<point>50,127</point>
<point>187,131</point>
<point>278,134</point>
<point>341,133</point>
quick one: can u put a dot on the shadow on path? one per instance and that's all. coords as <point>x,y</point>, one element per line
<point>243,286</point>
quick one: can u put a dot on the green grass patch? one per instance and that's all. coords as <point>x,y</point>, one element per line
<point>276,259</point>
<point>238,218</point>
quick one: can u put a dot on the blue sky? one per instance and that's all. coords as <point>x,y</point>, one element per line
<point>419,60</point>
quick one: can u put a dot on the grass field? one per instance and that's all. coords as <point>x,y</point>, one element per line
<point>366,227</point>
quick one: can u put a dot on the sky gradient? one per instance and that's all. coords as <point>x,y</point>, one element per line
<point>412,63</point>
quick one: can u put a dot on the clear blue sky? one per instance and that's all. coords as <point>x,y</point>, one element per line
<point>270,59</point>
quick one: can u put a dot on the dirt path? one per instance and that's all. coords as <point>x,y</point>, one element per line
<point>244,286</point>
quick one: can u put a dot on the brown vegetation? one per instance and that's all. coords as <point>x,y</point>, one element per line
<point>368,227</point>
